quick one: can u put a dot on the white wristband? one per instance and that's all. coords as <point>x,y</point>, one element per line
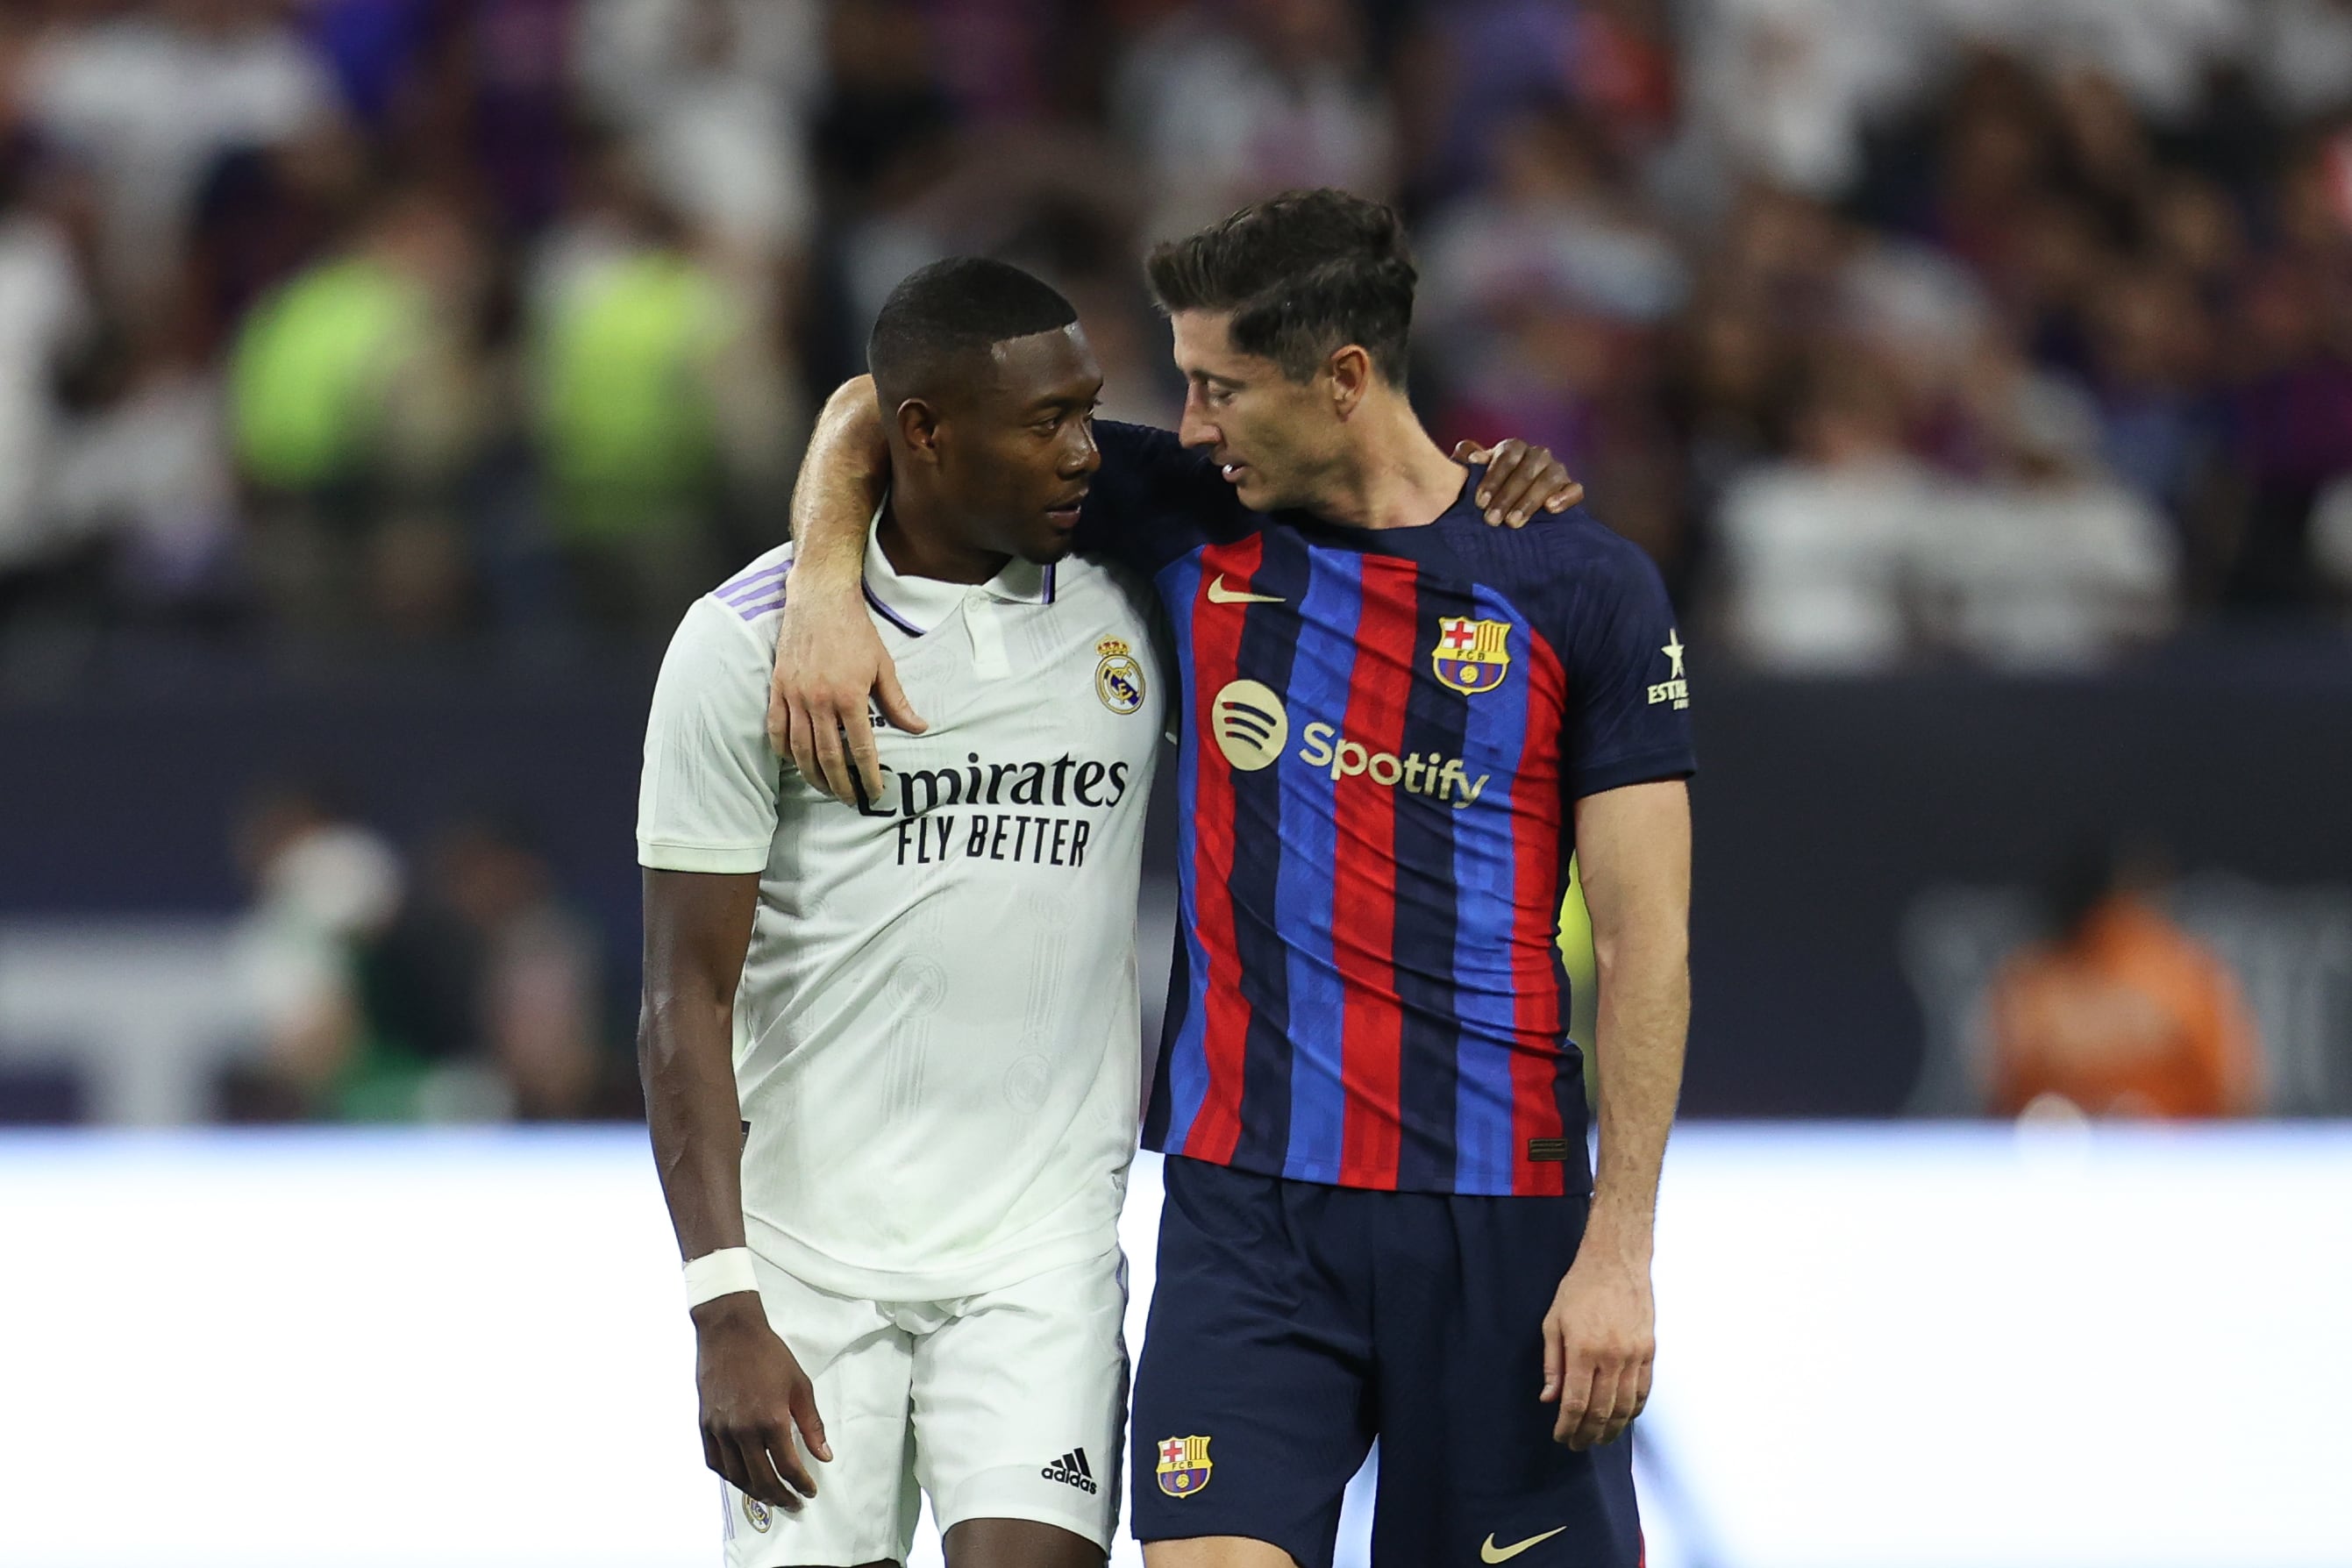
<point>719,1273</point>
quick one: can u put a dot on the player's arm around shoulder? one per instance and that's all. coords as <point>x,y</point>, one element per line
<point>828,655</point>
<point>706,817</point>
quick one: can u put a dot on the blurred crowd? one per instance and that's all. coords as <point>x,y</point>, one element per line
<point>455,985</point>
<point>2011,331</point>
<point>2117,1009</point>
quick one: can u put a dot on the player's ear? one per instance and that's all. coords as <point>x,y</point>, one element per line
<point>1349,373</point>
<point>918,426</point>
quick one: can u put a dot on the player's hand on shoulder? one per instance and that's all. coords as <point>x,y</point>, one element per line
<point>759,1409</point>
<point>1520,479</point>
<point>828,658</point>
<point>1600,1343</point>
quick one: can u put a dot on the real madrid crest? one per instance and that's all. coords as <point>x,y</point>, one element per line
<point>1118,679</point>
<point>756,1513</point>
<point>1472,656</point>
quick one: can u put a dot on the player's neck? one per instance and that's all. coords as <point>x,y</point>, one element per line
<point>919,542</point>
<point>1395,476</point>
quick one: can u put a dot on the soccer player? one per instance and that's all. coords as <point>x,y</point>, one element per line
<point>1396,725</point>
<point>891,1047</point>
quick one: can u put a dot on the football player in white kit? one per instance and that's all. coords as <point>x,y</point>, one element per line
<point>891,1048</point>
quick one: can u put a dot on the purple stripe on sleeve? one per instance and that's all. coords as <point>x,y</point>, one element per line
<point>758,607</point>
<point>755,583</point>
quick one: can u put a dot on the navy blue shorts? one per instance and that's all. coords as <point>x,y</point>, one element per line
<point>1292,1322</point>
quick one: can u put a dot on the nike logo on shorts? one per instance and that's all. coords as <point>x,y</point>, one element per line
<point>1490,1553</point>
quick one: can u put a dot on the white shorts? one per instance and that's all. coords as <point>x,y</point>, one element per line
<point>1008,1404</point>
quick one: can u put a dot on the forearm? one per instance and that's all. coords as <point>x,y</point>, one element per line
<point>1644,1016</point>
<point>686,1055</point>
<point>841,483</point>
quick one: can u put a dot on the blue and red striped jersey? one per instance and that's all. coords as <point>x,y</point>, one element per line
<point>1382,735</point>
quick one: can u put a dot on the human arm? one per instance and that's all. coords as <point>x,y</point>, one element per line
<point>1154,496</point>
<point>1601,1335</point>
<point>753,1394</point>
<point>706,821</point>
<point>828,656</point>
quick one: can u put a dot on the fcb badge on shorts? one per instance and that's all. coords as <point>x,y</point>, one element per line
<point>1118,679</point>
<point>1183,1464</point>
<point>1472,656</point>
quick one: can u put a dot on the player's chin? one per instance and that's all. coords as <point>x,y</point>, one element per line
<point>1257,491</point>
<point>1052,538</point>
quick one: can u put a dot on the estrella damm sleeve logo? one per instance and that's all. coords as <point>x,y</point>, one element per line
<point>1472,656</point>
<point>1675,688</point>
<point>1184,1465</point>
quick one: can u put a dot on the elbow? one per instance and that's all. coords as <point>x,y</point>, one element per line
<point>652,1049</point>
<point>666,1023</point>
<point>1661,944</point>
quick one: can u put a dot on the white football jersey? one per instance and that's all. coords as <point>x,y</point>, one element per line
<point>937,1042</point>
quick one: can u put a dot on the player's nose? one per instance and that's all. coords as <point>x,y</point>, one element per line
<point>1081,454</point>
<point>1196,428</point>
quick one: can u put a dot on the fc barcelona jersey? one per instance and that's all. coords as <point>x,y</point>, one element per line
<point>1382,734</point>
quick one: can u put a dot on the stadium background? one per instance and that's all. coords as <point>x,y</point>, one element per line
<point>379,377</point>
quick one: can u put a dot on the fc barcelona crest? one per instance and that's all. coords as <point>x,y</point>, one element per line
<point>1472,656</point>
<point>1183,1464</point>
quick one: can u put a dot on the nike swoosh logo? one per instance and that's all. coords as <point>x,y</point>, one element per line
<point>1220,594</point>
<point>1490,1553</point>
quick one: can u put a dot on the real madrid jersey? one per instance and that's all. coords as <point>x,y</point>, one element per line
<point>937,1036</point>
<point>1383,735</point>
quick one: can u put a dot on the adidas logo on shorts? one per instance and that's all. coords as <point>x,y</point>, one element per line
<point>1073,1469</point>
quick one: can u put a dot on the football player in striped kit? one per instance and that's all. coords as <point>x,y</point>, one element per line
<point>1396,724</point>
<point>891,1044</point>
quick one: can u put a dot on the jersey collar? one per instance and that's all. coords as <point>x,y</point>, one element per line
<point>915,604</point>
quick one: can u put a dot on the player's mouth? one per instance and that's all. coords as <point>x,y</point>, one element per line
<point>1232,471</point>
<point>1065,514</point>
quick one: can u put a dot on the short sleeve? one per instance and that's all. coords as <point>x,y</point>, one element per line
<point>707,800</point>
<point>1153,499</point>
<point>1629,697</point>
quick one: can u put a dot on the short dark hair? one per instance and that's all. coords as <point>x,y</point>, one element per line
<point>1303,273</point>
<point>941,317</point>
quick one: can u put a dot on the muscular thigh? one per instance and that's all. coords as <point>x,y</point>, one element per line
<point>1019,1543</point>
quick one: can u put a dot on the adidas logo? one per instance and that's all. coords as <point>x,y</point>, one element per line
<point>1073,1469</point>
